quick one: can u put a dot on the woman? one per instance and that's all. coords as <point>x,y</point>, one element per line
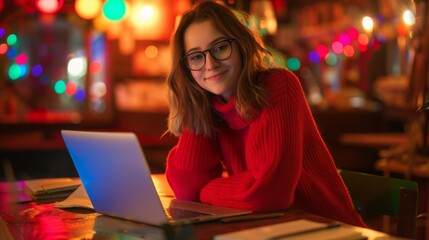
<point>247,137</point>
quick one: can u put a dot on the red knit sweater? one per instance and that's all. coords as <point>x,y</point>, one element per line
<point>276,161</point>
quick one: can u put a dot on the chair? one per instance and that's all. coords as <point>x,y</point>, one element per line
<point>385,196</point>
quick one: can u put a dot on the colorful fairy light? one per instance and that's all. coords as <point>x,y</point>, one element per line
<point>88,9</point>
<point>37,70</point>
<point>114,10</point>
<point>71,88</point>
<point>49,6</point>
<point>337,47</point>
<point>3,48</point>
<point>367,24</point>
<point>21,58</point>
<point>12,39</point>
<point>322,50</point>
<point>60,87</point>
<point>314,57</point>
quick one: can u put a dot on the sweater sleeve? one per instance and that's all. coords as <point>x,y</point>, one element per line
<point>274,153</point>
<point>191,164</point>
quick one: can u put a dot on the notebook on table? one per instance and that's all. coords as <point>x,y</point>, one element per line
<point>116,176</point>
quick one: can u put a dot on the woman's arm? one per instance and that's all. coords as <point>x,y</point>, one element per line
<point>191,164</point>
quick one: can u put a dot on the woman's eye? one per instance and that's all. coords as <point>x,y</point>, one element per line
<point>195,57</point>
<point>220,48</point>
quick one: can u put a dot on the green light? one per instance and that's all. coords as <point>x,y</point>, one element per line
<point>60,87</point>
<point>293,64</point>
<point>12,39</point>
<point>14,71</point>
<point>331,59</point>
<point>114,9</point>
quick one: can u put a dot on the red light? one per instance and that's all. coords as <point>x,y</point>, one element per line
<point>71,88</point>
<point>95,67</point>
<point>49,6</point>
<point>322,50</point>
<point>3,48</point>
<point>353,33</point>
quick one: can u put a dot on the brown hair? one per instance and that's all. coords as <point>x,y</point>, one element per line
<point>190,105</point>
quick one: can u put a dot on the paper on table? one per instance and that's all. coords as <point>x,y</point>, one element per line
<point>294,227</point>
<point>79,198</point>
<point>50,188</point>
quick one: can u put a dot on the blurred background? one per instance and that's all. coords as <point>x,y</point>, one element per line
<point>101,65</point>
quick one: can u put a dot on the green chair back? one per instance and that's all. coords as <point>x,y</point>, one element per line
<point>384,196</point>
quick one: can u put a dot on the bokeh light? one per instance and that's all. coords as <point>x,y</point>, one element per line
<point>349,51</point>
<point>293,64</point>
<point>331,59</point>
<point>76,67</point>
<point>408,18</point>
<point>11,53</point>
<point>114,10</point>
<point>21,58</point>
<point>49,6</point>
<point>353,33</point>
<point>14,72</point>
<point>60,87</point>
<point>314,57</point>
<point>367,24</point>
<point>88,9</point>
<point>337,47</point>
<point>95,67</point>
<point>99,89</point>
<point>12,39</point>
<point>322,50</point>
<point>80,94</point>
<point>3,48</point>
<point>71,88</point>
<point>2,32</point>
<point>37,70</point>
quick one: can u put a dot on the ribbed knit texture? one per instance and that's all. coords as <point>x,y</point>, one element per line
<point>277,161</point>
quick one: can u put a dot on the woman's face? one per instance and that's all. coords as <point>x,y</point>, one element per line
<point>216,76</point>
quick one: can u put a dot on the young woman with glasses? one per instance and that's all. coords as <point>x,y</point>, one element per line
<point>247,138</point>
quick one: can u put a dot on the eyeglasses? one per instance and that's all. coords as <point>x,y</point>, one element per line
<point>220,51</point>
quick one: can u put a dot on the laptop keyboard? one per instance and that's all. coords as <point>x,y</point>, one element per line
<point>177,213</point>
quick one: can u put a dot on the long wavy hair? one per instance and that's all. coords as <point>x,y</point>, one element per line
<point>190,105</point>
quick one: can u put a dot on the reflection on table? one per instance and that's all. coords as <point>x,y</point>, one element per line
<point>42,220</point>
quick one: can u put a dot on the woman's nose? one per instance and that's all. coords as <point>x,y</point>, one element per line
<point>211,62</point>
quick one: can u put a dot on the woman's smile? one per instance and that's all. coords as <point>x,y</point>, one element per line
<point>216,77</point>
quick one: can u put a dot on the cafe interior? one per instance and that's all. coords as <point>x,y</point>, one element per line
<point>102,65</point>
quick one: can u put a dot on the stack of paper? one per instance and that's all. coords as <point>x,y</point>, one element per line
<point>50,188</point>
<point>78,199</point>
<point>297,230</point>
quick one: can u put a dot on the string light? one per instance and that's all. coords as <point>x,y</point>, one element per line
<point>88,9</point>
<point>49,6</point>
<point>114,10</point>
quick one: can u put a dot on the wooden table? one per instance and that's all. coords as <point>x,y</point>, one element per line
<point>43,221</point>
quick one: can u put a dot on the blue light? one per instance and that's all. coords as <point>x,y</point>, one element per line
<point>314,57</point>
<point>37,70</point>
<point>80,95</point>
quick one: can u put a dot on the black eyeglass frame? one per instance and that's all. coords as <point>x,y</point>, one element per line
<point>185,58</point>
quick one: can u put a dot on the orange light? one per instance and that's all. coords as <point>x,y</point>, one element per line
<point>87,9</point>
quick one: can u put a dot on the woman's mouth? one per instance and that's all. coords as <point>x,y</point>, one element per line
<point>214,77</point>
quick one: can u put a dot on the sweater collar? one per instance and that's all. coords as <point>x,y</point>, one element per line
<point>229,113</point>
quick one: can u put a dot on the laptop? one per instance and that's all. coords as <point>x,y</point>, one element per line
<point>116,176</point>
